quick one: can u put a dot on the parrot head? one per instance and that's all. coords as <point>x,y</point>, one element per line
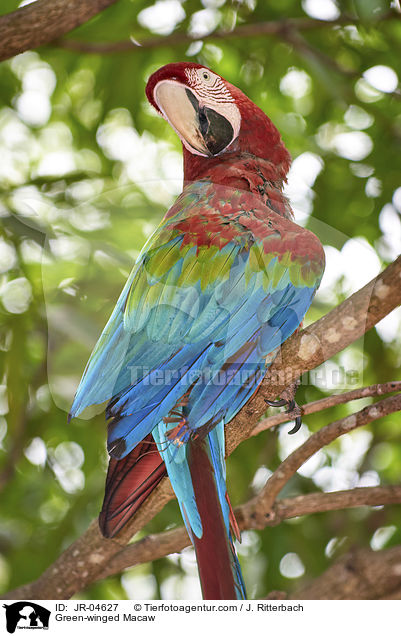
<point>198,104</point>
<point>212,117</point>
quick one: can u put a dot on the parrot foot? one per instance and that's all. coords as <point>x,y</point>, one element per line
<point>292,407</point>
<point>181,433</point>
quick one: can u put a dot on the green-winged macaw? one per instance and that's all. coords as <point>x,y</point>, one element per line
<point>223,281</point>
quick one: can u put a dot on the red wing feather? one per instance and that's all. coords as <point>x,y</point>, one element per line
<point>129,482</point>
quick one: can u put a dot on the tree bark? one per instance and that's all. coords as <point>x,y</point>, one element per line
<point>360,574</point>
<point>43,21</point>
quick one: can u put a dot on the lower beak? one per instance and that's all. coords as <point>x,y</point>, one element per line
<point>202,128</point>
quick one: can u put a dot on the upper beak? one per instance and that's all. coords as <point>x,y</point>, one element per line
<point>204,129</point>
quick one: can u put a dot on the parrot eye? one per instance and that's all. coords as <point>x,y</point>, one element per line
<point>205,76</point>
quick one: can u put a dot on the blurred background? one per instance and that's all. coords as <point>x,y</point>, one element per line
<point>87,170</point>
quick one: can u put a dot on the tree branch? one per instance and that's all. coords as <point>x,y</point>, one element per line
<point>258,29</point>
<point>264,509</point>
<point>262,504</point>
<point>85,559</point>
<point>157,546</point>
<point>43,21</point>
<point>360,574</point>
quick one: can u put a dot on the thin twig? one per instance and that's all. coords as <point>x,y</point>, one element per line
<point>328,402</point>
<point>258,29</point>
<point>265,499</point>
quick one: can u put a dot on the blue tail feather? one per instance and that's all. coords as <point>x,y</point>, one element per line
<point>177,461</point>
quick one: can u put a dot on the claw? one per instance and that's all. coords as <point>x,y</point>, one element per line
<point>291,406</point>
<point>276,403</point>
<point>297,426</point>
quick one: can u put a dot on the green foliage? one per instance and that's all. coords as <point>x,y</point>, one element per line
<point>87,171</point>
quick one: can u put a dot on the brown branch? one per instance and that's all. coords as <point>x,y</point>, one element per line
<point>360,574</point>
<point>265,499</point>
<point>265,510</point>
<point>160,545</point>
<point>84,560</point>
<point>328,402</point>
<point>43,21</point>
<point>157,546</point>
<point>258,29</point>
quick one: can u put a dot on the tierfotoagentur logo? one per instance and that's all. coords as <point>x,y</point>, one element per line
<point>26,615</point>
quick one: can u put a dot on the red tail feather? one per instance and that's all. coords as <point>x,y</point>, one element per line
<point>129,482</point>
<point>213,548</point>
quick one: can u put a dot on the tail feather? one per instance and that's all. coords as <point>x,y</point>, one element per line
<point>197,472</point>
<point>129,482</point>
<point>219,568</point>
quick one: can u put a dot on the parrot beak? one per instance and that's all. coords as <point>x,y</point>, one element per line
<point>203,129</point>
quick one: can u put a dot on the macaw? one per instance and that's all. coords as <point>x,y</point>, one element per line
<point>223,281</point>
